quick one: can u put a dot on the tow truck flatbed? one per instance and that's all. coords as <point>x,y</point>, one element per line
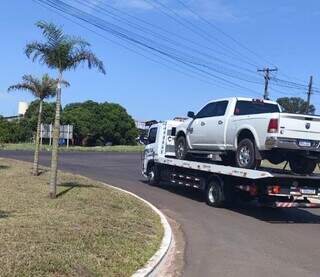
<point>222,184</point>
<point>260,173</point>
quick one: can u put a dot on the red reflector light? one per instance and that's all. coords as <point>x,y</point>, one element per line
<point>253,190</point>
<point>274,189</point>
<point>273,125</point>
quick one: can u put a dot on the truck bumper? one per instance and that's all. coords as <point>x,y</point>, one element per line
<point>292,144</point>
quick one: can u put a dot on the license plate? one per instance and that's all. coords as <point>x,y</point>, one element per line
<point>308,191</point>
<point>304,143</point>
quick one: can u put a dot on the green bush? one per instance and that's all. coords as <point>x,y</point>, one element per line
<point>97,124</point>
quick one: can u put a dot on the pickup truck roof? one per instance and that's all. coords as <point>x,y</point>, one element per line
<point>244,99</point>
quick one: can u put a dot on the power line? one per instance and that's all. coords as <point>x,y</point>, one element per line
<point>186,63</point>
<point>95,22</point>
<point>222,32</point>
<point>172,42</point>
<point>195,29</point>
<point>194,60</point>
<point>229,36</point>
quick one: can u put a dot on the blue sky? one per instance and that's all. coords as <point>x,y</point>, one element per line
<point>284,33</point>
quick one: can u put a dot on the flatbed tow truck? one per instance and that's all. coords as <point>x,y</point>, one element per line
<point>224,185</point>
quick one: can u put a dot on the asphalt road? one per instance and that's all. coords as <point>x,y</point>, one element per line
<point>219,242</point>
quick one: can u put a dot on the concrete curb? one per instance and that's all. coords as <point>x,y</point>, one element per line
<point>153,263</point>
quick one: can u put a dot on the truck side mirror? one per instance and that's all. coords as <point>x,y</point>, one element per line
<point>191,114</point>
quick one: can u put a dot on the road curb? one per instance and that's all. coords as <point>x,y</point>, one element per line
<point>154,262</point>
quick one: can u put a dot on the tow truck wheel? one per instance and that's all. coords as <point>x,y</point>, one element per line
<point>214,194</point>
<point>153,175</point>
<point>181,148</point>
<point>302,165</point>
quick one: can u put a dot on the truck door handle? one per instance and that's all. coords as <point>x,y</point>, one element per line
<point>220,122</point>
<point>202,123</point>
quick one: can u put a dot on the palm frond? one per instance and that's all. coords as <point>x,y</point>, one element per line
<point>52,32</point>
<point>61,51</point>
<point>22,86</point>
<point>36,49</point>
<point>78,41</point>
<point>84,55</point>
<point>41,88</point>
<point>65,83</point>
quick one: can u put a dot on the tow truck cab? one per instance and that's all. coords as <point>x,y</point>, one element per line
<point>159,142</point>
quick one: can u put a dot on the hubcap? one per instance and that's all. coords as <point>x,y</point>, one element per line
<point>180,149</point>
<point>213,193</point>
<point>244,156</point>
<point>151,176</point>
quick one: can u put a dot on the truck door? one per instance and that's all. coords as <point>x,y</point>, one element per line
<point>195,130</point>
<point>214,127</point>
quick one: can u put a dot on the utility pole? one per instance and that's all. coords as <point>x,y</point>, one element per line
<point>309,94</point>
<point>266,72</point>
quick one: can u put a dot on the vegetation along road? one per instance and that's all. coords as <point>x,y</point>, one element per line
<point>88,230</point>
<point>219,242</point>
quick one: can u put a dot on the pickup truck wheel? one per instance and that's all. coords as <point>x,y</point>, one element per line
<point>181,148</point>
<point>153,175</point>
<point>302,165</point>
<point>245,155</point>
<point>214,194</point>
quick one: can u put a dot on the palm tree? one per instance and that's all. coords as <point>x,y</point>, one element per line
<point>60,52</point>
<point>40,88</point>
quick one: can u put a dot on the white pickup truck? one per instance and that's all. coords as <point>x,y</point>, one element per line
<point>244,131</point>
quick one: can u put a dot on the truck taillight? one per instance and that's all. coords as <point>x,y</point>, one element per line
<point>274,189</point>
<point>273,125</point>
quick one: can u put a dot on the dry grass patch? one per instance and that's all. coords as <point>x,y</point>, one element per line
<point>89,230</point>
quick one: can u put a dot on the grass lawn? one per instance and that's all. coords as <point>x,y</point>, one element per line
<point>115,148</point>
<point>89,230</point>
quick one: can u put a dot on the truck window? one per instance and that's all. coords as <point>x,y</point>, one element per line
<point>255,107</point>
<point>152,135</point>
<point>213,109</point>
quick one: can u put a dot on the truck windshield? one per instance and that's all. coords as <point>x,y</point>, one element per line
<point>255,107</point>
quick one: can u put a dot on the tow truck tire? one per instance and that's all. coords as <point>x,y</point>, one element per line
<point>153,175</point>
<point>246,156</point>
<point>302,165</point>
<point>214,194</point>
<point>181,148</point>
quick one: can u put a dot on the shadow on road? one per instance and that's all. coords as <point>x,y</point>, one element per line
<point>278,216</point>
<point>270,215</point>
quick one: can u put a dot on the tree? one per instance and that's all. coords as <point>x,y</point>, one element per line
<point>100,123</point>
<point>31,116</point>
<point>295,105</point>
<point>60,52</point>
<point>12,131</point>
<point>40,88</point>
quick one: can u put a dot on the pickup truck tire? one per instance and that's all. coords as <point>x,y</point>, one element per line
<point>302,165</point>
<point>246,155</point>
<point>214,194</point>
<point>181,148</point>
